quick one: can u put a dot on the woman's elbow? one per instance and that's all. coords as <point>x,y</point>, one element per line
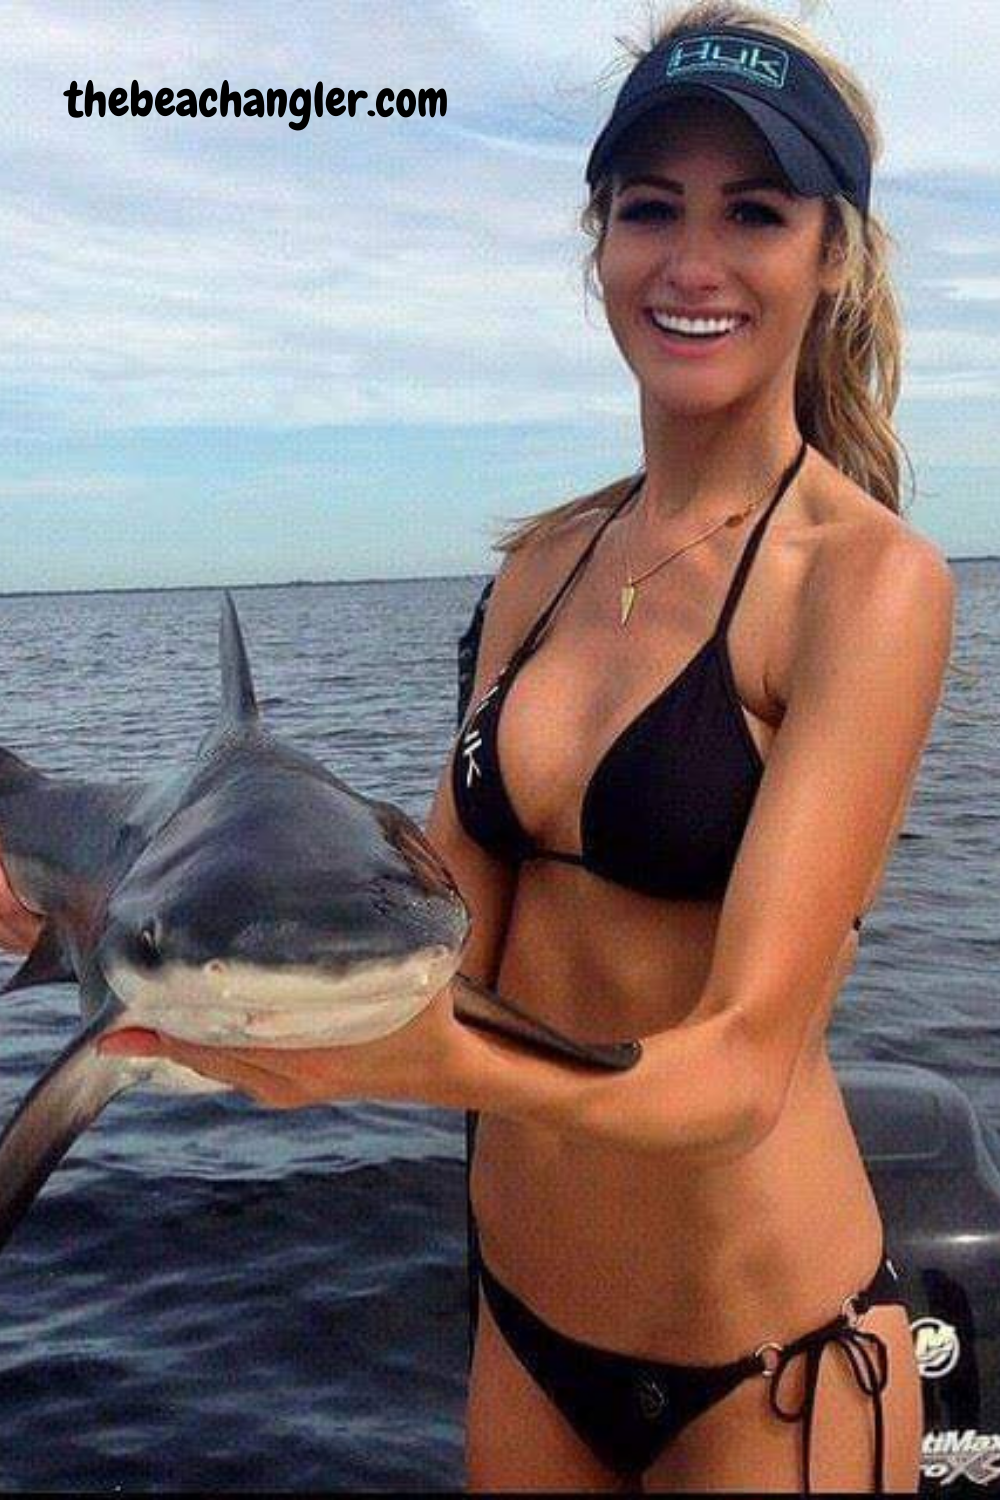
<point>705,1124</point>
<point>757,1120</point>
<point>737,1127</point>
<point>708,1137</point>
<point>741,1105</point>
<point>758,1094</point>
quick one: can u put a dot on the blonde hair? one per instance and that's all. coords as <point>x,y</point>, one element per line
<point>848,376</point>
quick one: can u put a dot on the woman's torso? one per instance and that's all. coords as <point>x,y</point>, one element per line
<point>648,1252</point>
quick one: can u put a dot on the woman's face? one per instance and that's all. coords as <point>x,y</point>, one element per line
<point>680,239</point>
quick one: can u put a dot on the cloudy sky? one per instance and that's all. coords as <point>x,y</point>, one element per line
<point>233,351</point>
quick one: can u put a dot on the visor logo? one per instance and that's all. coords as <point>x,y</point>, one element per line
<point>756,61</point>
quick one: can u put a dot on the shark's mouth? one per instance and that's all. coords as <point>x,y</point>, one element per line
<point>239,1004</point>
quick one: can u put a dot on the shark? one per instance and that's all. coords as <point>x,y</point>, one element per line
<point>248,897</point>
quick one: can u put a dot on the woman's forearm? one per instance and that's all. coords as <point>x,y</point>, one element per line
<point>692,1090</point>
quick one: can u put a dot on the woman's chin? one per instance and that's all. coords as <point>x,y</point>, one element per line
<point>684,395</point>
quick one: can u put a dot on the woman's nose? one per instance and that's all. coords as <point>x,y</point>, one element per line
<point>693,256</point>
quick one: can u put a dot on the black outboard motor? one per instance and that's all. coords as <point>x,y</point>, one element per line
<point>938,1189</point>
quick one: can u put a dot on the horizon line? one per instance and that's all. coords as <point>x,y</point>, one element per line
<point>189,588</point>
<point>307,583</point>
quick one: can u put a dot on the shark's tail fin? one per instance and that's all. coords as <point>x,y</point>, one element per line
<point>239,701</point>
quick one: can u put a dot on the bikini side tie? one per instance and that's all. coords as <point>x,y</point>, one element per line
<point>868,1358</point>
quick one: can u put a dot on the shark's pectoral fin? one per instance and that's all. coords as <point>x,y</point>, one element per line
<point>16,772</point>
<point>64,1101</point>
<point>45,964</point>
<point>478,1006</point>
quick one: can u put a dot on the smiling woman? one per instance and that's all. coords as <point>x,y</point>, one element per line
<point>699,707</point>
<point>688,860</point>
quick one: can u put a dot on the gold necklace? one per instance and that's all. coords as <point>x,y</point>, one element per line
<point>631,583</point>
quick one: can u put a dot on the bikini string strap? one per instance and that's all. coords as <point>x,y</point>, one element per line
<point>868,1358</point>
<point>755,538</point>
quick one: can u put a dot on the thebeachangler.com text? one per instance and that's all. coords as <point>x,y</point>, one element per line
<point>302,104</point>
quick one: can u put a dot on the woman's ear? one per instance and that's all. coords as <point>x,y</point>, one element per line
<point>833,264</point>
<point>598,256</point>
<point>832,279</point>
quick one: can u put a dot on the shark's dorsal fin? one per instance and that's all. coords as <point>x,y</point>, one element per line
<point>45,964</point>
<point>239,701</point>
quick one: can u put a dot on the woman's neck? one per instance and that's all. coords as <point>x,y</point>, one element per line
<point>698,466</point>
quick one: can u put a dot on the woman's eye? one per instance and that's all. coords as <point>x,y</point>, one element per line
<point>653,209</point>
<point>759,213</point>
<point>646,208</point>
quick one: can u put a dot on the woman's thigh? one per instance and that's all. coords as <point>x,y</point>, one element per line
<point>515,1438</point>
<point>739,1444</point>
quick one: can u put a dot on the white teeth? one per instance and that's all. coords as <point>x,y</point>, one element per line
<point>694,325</point>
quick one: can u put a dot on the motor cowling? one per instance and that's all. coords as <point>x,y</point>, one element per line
<point>938,1189</point>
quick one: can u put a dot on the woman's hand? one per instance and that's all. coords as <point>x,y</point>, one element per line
<point>418,1063</point>
<point>19,927</point>
<point>663,1103</point>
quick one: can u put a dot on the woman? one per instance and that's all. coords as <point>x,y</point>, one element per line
<point>683,1265</point>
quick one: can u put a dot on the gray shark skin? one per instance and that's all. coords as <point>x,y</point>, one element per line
<point>248,898</point>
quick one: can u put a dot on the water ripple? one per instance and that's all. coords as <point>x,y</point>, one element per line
<point>210,1297</point>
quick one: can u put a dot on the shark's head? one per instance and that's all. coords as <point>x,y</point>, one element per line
<point>275,905</point>
<point>279,906</point>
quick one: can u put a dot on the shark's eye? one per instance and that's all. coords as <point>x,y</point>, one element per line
<point>148,945</point>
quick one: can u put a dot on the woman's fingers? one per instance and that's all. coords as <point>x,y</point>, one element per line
<point>270,1077</point>
<point>131,1042</point>
<point>19,927</point>
<point>411,1063</point>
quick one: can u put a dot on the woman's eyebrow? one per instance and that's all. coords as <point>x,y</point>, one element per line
<point>741,185</point>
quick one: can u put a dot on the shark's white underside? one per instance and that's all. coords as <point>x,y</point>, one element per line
<point>242,1005</point>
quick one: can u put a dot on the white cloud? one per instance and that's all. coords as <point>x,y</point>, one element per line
<point>55,485</point>
<point>969,245</point>
<point>175,271</point>
<point>970,288</point>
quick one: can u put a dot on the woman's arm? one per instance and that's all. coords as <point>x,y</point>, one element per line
<point>866,681</point>
<point>689,1092</point>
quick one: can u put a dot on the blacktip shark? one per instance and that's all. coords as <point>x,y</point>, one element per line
<point>248,898</point>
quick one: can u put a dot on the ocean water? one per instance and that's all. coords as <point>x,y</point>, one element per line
<point>207,1296</point>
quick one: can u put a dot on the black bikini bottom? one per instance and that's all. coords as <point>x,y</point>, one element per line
<point>627,1409</point>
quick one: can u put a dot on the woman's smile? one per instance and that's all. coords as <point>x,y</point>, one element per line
<point>695,338</point>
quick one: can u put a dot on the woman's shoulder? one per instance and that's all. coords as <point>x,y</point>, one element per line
<point>855,536</point>
<point>844,554</point>
<point>865,563</point>
<point>551,536</point>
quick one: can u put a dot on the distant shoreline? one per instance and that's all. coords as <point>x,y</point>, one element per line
<point>215,588</point>
<point>299,583</point>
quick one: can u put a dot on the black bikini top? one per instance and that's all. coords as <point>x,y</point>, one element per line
<point>667,804</point>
